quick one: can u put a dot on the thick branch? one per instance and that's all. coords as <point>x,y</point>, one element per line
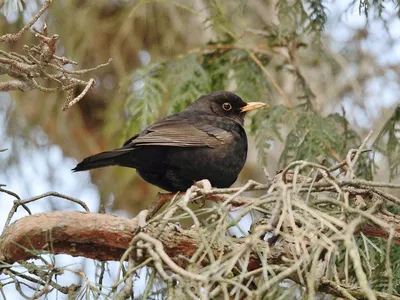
<point>106,237</point>
<point>93,235</point>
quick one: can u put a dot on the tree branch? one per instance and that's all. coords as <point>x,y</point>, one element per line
<point>96,236</point>
<point>40,62</point>
<point>13,37</point>
<point>106,237</point>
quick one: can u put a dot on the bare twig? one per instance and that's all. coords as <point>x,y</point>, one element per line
<point>89,85</point>
<point>29,200</point>
<point>13,37</point>
<point>40,62</point>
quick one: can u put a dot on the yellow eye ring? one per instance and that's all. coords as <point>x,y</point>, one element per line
<point>227,106</point>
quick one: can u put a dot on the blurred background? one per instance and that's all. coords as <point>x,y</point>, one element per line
<point>342,58</point>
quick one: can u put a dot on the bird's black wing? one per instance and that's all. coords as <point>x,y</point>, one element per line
<point>177,132</point>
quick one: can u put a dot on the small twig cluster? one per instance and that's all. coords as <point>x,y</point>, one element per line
<point>40,63</point>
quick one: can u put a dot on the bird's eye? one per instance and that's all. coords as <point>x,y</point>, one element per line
<point>227,106</point>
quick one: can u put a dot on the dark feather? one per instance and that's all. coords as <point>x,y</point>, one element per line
<point>100,160</point>
<point>176,132</point>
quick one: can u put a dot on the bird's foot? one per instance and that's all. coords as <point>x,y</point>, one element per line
<point>205,185</point>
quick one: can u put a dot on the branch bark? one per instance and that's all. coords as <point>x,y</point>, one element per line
<point>93,235</point>
<point>106,237</point>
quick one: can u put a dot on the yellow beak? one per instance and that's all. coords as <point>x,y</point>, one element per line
<point>253,106</point>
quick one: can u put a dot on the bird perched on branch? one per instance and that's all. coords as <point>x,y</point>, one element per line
<point>204,141</point>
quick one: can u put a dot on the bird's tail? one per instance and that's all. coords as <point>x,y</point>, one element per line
<point>103,159</point>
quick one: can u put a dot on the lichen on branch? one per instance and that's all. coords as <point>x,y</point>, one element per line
<point>40,68</point>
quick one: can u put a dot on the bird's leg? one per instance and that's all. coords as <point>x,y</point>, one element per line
<point>204,186</point>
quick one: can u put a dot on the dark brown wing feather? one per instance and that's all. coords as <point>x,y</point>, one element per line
<point>180,133</point>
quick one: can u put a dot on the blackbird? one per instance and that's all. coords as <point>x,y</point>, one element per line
<point>204,141</point>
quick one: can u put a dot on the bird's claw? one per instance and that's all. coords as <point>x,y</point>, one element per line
<point>205,185</point>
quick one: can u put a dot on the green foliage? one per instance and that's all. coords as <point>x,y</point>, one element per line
<point>219,20</point>
<point>311,137</point>
<point>188,80</point>
<point>144,90</point>
<point>373,259</point>
<point>250,81</point>
<point>218,66</point>
<point>374,252</point>
<point>388,142</point>
<point>378,7</point>
<point>302,17</point>
<point>317,16</point>
<point>266,127</point>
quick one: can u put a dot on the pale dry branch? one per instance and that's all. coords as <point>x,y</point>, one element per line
<point>40,64</point>
<point>89,85</point>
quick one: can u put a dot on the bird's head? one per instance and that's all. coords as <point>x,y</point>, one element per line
<point>225,104</point>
